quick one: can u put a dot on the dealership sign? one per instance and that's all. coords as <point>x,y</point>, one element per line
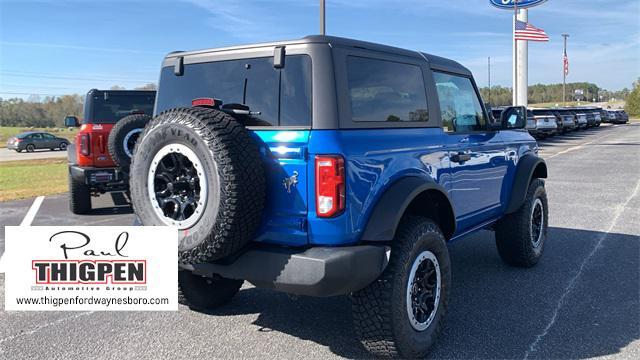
<point>90,268</point>
<point>510,4</point>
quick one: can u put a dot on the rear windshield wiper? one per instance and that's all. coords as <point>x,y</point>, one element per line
<point>239,109</point>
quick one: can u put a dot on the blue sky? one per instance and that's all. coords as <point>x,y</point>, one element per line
<point>69,46</point>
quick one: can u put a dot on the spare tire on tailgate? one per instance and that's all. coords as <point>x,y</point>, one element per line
<point>199,169</point>
<point>123,137</point>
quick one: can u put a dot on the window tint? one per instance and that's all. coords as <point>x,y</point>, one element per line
<point>34,137</point>
<point>459,103</point>
<point>118,106</point>
<point>48,136</point>
<point>385,91</point>
<point>282,96</point>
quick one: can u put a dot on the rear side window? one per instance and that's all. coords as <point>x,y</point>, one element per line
<point>382,90</point>
<point>282,96</point>
<point>116,106</point>
<point>459,103</point>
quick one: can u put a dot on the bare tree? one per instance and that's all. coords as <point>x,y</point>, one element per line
<point>149,86</point>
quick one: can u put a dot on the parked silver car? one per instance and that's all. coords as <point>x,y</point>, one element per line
<point>582,120</point>
<point>546,125</point>
<point>33,140</point>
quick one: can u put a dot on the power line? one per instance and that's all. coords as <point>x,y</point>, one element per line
<point>21,93</point>
<point>36,86</point>
<point>76,78</point>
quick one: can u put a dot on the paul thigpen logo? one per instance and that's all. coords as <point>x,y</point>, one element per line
<point>117,269</point>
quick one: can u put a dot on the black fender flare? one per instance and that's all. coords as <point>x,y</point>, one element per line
<point>388,211</point>
<point>529,166</point>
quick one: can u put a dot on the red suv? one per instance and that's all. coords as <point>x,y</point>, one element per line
<point>100,155</point>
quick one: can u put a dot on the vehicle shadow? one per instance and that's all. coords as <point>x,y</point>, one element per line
<point>119,204</point>
<point>496,311</point>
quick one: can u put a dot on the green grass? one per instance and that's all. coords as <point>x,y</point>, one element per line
<point>25,179</point>
<point>8,131</point>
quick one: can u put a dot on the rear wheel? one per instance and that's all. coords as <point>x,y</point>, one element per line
<point>79,197</point>
<point>30,148</point>
<point>401,313</point>
<point>520,236</point>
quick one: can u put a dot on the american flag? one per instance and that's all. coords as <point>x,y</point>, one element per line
<point>525,31</point>
<point>565,60</point>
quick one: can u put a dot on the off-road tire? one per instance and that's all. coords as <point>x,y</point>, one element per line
<point>235,200</point>
<point>131,126</point>
<point>514,231</point>
<point>205,293</point>
<point>79,197</point>
<point>380,313</point>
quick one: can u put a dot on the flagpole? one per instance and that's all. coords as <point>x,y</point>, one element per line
<point>515,56</point>
<point>564,71</point>
<point>489,76</point>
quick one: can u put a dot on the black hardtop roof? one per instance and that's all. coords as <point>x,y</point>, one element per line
<point>435,61</point>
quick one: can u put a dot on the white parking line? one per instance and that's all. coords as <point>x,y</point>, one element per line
<point>33,210</point>
<point>28,219</point>
<point>572,283</point>
<point>577,147</point>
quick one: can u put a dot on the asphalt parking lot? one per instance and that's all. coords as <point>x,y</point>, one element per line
<point>581,301</point>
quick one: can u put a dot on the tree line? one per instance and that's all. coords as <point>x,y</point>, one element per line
<point>540,93</point>
<point>46,112</point>
<point>51,111</point>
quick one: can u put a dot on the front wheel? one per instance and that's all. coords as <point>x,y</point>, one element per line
<point>63,146</point>
<point>520,236</point>
<point>401,313</point>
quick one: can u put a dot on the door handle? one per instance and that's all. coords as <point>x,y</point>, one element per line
<point>460,157</point>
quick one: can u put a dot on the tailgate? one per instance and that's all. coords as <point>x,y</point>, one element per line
<point>285,214</point>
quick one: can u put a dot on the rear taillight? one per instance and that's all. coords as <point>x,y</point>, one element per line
<point>330,181</point>
<point>84,144</point>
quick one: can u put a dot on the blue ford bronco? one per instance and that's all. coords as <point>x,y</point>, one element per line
<point>327,166</point>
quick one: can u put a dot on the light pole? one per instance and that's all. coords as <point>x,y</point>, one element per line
<point>322,22</point>
<point>564,70</point>
<point>489,76</point>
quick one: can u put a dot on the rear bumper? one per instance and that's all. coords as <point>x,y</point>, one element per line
<point>102,179</point>
<point>318,271</point>
<point>547,131</point>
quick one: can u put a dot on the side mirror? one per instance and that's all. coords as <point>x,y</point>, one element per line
<point>71,121</point>
<point>514,117</point>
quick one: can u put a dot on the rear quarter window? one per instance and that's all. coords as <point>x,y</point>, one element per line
<point>386,91</point>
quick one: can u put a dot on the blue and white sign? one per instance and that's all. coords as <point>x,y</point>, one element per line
<point>509,4</point>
